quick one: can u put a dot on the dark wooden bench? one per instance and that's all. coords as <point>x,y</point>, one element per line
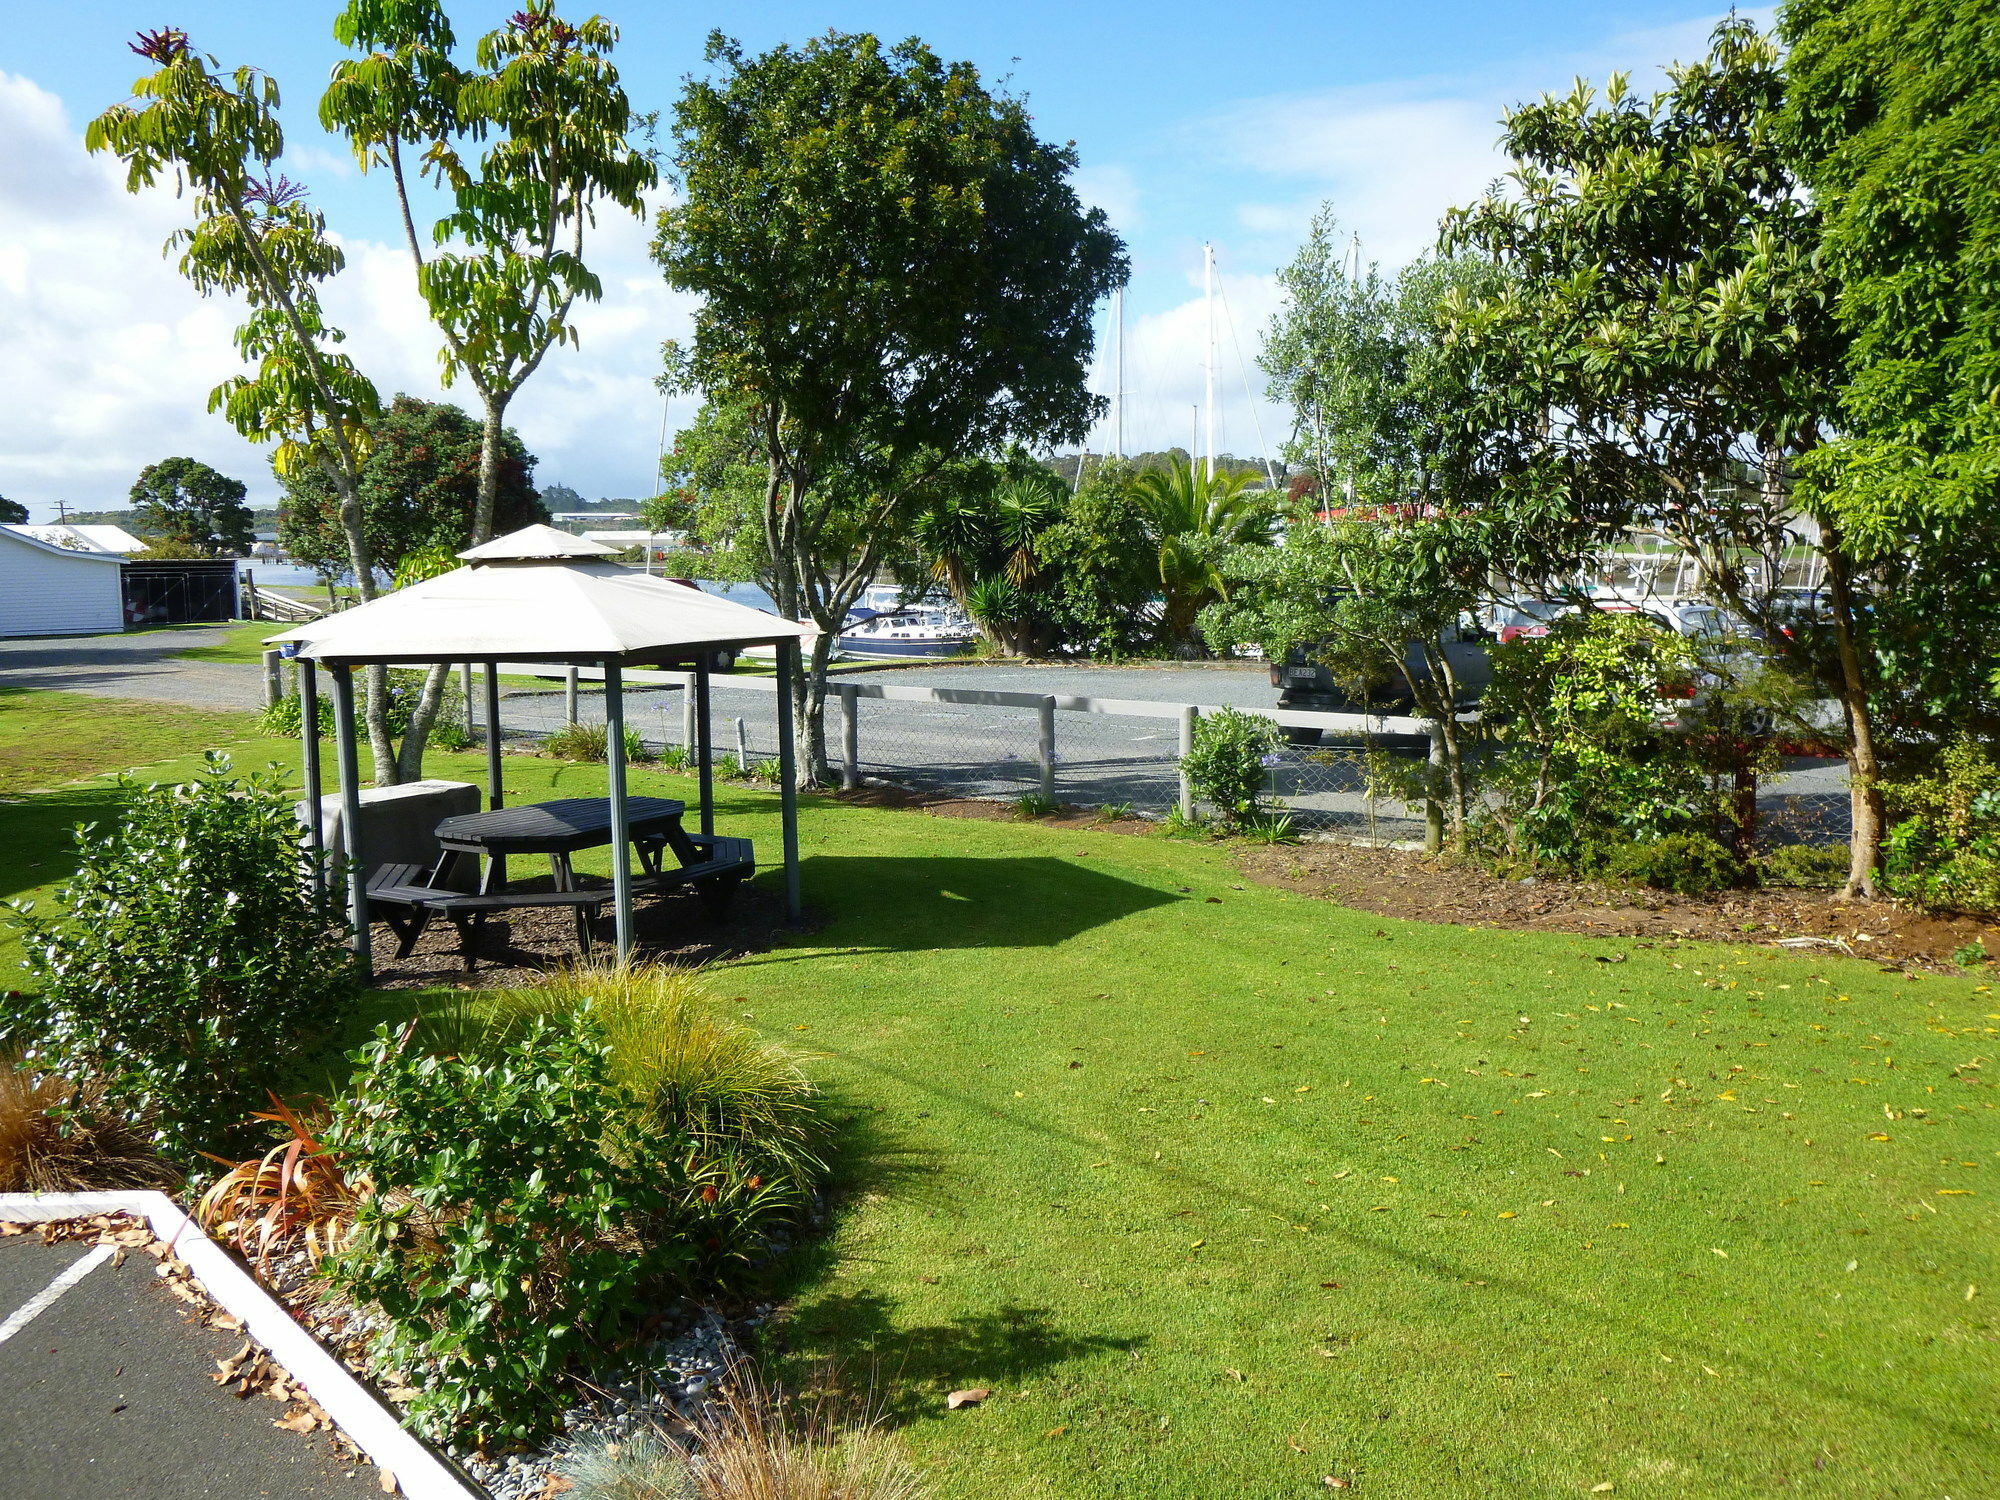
<point>403,897</point>
<point>712,865</point>
<point>406,897</point>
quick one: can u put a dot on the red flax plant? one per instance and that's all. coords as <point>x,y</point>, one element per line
<point>295,1194</point>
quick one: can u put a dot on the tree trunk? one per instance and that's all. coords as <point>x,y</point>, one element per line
<point>423,715</point>
<point>491,431</point>
<point>410,759</point>
<point>809,708</point>
<point>1863,766</point>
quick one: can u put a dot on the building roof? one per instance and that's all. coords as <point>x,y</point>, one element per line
<point>26,536</point>
<point>515,604</point>
<point>94,538</point>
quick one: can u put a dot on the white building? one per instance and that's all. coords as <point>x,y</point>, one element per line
<point>50,590</point>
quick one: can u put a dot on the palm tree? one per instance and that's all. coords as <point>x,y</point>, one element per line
<point>1193,515</point>
<point>979,543</point>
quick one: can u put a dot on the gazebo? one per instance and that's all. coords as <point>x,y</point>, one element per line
<point>541,596</point>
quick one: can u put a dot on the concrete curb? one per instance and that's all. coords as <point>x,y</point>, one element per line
<point>357,1412</point>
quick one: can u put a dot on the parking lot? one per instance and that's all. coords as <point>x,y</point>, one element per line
<point>105,1393</point>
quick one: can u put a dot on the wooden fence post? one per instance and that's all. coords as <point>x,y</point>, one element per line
<point>1185,749</point>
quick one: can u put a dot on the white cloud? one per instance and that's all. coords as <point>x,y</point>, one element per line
<point>107,355</point>
<point>1112,188</point>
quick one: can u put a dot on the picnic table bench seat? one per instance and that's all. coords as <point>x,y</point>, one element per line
<point>407,896</point>
<point>714,865</point>
<point>402,897</point>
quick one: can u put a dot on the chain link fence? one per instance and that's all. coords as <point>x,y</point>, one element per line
<point>1098,752</point>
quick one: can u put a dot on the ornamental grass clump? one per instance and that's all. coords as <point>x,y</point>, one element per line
<point>58,1137</point>
<point>193,966</point>
<point>753,1124</point>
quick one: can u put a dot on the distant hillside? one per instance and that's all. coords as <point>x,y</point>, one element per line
<point>260,520</point>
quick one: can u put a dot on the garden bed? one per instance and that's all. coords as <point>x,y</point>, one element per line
<point>1422,888</point>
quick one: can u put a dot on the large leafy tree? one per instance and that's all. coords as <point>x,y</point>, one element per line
<point>183,501</point>
<point>896,276</point>
<point>216,134</point>
<point>1663,351</point>
<point>419,488</point>
<point>12,512</point>
<point>1891,114</point>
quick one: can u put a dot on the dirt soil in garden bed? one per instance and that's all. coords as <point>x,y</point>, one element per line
<point>516,948</point>
<point>1406,884</point>
<point>1401,883</point>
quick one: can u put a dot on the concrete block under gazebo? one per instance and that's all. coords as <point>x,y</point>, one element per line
<point>542,596</point>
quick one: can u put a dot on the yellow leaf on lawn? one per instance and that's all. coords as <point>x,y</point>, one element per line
<point>1510,1214</point>
<point>1954,1192</point>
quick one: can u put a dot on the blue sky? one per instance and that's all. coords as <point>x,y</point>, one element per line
<point>1228,123</point>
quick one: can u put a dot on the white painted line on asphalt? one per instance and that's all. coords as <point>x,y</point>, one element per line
<point>47,1297</point>
<point>367,1421</point>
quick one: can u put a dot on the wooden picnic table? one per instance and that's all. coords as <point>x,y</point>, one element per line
<point>559,829</point>
<point>406,897</point>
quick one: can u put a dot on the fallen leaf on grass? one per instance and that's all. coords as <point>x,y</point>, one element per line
<point>966,1398</point>
<point>1335,1482</point>
<point>1055,1432</point>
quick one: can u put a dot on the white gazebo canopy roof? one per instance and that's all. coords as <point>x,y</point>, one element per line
<point>536,544</point>
<point>540,595</point>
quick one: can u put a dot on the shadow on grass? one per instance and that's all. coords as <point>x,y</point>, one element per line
<point>38,833</point>
<point>913,1367</point>
<point>895,903</point>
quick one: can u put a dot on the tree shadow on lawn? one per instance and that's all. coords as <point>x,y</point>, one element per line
<point>38,833</point>
<point>896,903</point>
<point>910,1369</point>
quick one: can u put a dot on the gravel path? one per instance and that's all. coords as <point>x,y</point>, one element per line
<point>145,665</point>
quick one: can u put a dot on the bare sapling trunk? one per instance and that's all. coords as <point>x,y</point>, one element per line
<point>1863,765</point>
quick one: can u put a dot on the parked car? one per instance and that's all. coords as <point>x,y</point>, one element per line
<point>1306,684</point>
<point>1528,617</point>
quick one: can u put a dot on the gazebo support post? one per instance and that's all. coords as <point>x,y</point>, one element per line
<point>496,796</point>
<point>788,777</point>
<point>704,746</point>
<point>309,766</point>
<point>621,828</point>
<point>350,814</point>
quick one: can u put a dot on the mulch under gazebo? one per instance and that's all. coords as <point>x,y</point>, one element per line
<point>543,597</point>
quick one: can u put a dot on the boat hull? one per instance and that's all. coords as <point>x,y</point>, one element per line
<point>884,646</point>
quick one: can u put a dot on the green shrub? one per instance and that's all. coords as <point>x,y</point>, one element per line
<point>1035,805</point>
<point>1943,852</point>
<point>192,968</point>
<point>405,687</point>
<point>1230,762</point>
<point>1813,866</point>
<point>519,1219</point>
<point>1269,828</point>
<point>591,742</point>
<point>1588,768</point>
<point>1692,864</point>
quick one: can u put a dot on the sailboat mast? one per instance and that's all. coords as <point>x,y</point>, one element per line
<point>1118,373</point>
<point>1208,365</point>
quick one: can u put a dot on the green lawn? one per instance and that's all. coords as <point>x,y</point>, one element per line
<point>1222,1189</point>
<point>48,738</point>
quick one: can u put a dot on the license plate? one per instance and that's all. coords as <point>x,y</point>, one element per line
<point>1300,674</point>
